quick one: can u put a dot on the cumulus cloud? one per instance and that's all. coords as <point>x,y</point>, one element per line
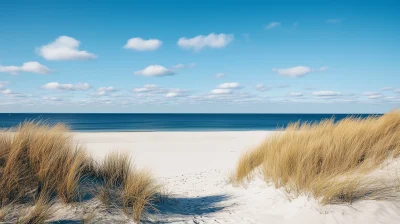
<point>199,42</point>
<point>67,87</point>
<point>229,85</point>
<point>53,99</point>
<point>6,92</point>
<point>102,91</point>
<point>64,48</point>
<point>377,96</point>
<point>175,93</point>
<point>172,94</point>
<point>221,91</point>
<point>272,25</point>
<point>151,93</point>
<point>326,93</point>
<point>397,90</point>
<point>373,95</point>
<point>297,71</point>
<point>155,71</point>
<point>140,44</point>
<point>226,88</point>
<point>32,67</point>
<point>146,88</point>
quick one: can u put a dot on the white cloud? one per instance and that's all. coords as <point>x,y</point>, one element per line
<point>377,96</point>
<point>373,95</point>
<point>152,92</point>
<point>53,99</point>
<point>32,67</point>
<point>64,48</point>
<point>272,25</point>
<point>176,93</point>
<point>146,88</point>
<point>68,87</point>
<point>199,42</point>
<point>387,88</point>
<point>297,71</point>
<point>140,44</point>
<point>262,87</point>
<point>397,90</point>
<point>6,92</point>
<point>295,94</point>
<point>229,85</point>
<point>102,91</point>
<point>326,93</point>
<point>172,94</point>
<point>219,75</point>
<point>155,70</point>
<point>225,88</point>
<point>370,93</point>
<point>221,91</point>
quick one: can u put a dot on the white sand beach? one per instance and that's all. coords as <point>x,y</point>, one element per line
<point>194,166</point>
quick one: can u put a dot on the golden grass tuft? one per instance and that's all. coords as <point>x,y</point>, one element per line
<point>39,161</point>
<point>327,159</point>
<point>115,169</point>
<point>138,194</point>
<point>134,189</point>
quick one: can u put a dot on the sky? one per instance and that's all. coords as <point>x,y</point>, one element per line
<point>199,56</point>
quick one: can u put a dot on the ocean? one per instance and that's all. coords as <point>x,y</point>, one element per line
<point>113,122</point>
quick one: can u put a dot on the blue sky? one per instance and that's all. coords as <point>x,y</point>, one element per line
<point>199,56</point>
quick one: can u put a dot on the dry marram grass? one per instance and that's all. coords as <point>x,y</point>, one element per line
<point>327,159</point>
<point>39,161</point>
<point>136,189</point>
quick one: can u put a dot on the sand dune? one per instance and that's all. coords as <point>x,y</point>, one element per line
<point>194,166</point>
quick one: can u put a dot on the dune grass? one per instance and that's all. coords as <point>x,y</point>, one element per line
<point>39,161</point>
<point>327,160</point>
<point>134,189</point>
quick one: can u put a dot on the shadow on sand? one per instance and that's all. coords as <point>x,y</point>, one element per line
<point>175,209</point>
<point>181,207</point>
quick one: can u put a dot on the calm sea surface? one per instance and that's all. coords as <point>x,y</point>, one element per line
<point>168,122</point>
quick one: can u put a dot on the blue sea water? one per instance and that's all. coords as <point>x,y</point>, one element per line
<point>167,122</point>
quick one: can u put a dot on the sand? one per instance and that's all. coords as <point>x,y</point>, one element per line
<point>194,166</point>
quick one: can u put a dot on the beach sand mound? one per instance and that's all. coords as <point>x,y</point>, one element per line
<point>41,168</point>
<point>332,161</point>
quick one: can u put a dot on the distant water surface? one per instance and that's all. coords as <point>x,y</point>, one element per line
<point>167,122</point>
